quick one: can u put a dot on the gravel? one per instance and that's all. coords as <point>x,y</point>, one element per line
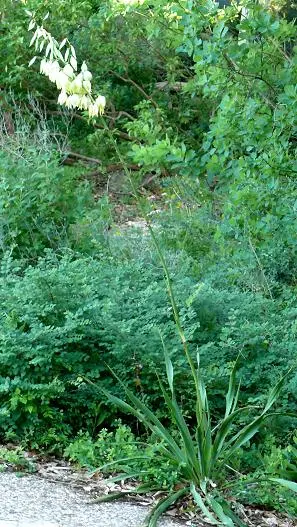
<point>31,501</point>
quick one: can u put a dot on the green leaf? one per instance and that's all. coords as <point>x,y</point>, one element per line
<point>292,485</point>
<point>103,468</point>
<point>124,476</point>
<point>218,509</point>
<point>274,394</point>
<point>157,511</point>
<point>232,394</point>
<point>199,501</point>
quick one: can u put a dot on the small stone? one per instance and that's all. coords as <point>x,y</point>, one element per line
<point>272,521</point>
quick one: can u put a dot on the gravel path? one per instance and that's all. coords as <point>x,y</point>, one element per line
<point>31,501</point>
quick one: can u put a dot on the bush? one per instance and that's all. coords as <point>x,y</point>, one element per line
<point>68,318</point>
<point>43,205</point>
<point>65,319</point>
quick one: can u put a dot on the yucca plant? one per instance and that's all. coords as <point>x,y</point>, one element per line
<point>202,452</point>
<point>199,454</point>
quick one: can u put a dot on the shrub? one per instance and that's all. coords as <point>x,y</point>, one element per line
<point>46,206</point>
<point>69,317</point>
<point>66,318</point>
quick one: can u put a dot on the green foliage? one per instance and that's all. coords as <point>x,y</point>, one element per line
<point>60,313</point>
<point>109,447</point>
<point>44,205</point>
<point>199,454</point>
<point>71,316</point>
<point>16,458</point>
<point>269,459</point>
<point>120,451</point>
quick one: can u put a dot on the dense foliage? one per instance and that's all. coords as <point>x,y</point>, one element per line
<point>199,137</point>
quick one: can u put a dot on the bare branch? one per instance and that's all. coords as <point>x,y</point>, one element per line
<point>139,88</point>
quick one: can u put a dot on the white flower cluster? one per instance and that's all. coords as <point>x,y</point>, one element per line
<point>76,89</point>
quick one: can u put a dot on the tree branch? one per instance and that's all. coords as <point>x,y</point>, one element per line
<point>76,155</point>
<point>236,69</point>
<point>139,88</point>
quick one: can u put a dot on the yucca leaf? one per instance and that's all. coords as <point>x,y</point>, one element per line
<point>207,449</point>
<point>118,462</point>
<point>157,511</point>
<point>232,394</point>
<point>203,428</point>
<point>146,416</point>
<point>199,501</point>
<point>243,436</point>
<point>274,393</point>
<point>190,451</point>
<point>228,511</point>
<point>112,496</point>
<point>124,476</point>
<point>146,487</point>
<point>218,510</point>
<point>223,430</point>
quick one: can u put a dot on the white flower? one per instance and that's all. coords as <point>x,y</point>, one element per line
<point>43,67</point>
<point>73,101</point>
<point>61,80</point>
<point>53,70</point>
<point>87,86</point>
<point>68,70</point>
<point>62,98</point>
<point>87,75</point>
<point>100,103</point>
<point>97,108</point>
<point>77,83</point>
<point>85,102</point>
<point>84,67</point>
<point>93,110</point>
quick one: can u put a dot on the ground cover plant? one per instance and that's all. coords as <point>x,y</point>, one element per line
<point>198,141</point>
